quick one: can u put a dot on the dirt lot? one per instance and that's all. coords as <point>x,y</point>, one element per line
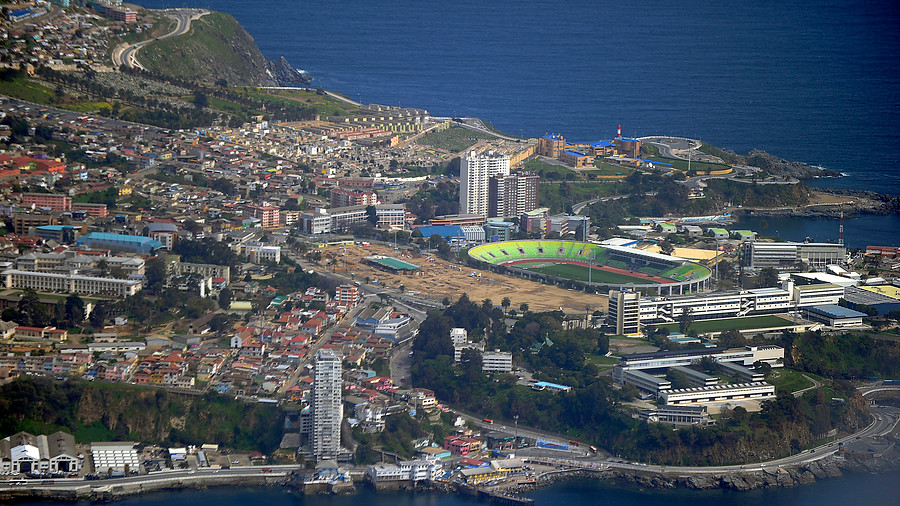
<point>441,279</point>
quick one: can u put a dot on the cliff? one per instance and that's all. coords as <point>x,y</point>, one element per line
<point>218,50</point>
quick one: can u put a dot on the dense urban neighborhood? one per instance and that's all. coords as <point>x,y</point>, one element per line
<point>204,284</point>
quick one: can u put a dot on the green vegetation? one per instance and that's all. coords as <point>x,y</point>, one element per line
<point>592,411</point>
<point>721,325</point>
<point>323,104</point>
<point>27,89</point>
<point>729,157</point>
<point>787,381</point>
<point>846,355</point>
<point>694,165</point>
<point>550,171</point>
<point>192,56</point>
<point>99,411</point>
<point>559,197</point>
<point>453,139</point>
<point>605,168</point>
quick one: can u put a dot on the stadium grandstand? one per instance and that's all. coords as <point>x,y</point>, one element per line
<point>591,264</point>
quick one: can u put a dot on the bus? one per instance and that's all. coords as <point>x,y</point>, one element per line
<point>487,420</point>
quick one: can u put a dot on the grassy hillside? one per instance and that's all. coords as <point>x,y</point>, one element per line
<point>216,48</point>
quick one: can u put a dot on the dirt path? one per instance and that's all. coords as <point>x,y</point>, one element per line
<point>439,278</point>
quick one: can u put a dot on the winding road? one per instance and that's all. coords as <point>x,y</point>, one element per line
<point>127,55</point>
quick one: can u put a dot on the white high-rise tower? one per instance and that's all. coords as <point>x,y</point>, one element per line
<point>475,170</point>
<point>327,410</point>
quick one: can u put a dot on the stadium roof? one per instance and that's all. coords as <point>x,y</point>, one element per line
<point>445,231</point>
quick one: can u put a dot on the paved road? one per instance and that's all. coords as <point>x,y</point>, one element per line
<point>815,384</point>
<point>128,55</point>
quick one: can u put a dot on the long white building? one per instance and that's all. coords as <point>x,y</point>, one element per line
<point>327,410</point>
<point>70,283</point>
<point>475,172</point>
<point>717,393</point>
<point>629,312</point>
<point>793,255</point>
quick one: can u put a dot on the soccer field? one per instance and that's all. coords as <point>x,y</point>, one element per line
<point>721,325</point>
<point>580,273</point>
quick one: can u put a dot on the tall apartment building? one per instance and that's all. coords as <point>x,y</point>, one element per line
<point>327,410</point>
<point>267,215</point>
<point>347,295</point>
<point>341,197</point>
<point>475,171</point>
<point>512,195</point>
<point>624,312</point>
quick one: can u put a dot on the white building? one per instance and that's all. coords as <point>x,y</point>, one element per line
<point>458,335</point>
<point>405,470</point>
<point>259,253</point>
<point>115,455</point>
<point>475,172</point>
<point>718,393</point>
<point>70,283</point>
<point>325,221</point>
<point>327,410</point>
<point>628,311</point>
<point>26,453</point>
<point>793,255</point>
<point>496,361</point>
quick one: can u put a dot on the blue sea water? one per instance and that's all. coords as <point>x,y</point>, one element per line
<point>817,82</point>
<point>810,81</point>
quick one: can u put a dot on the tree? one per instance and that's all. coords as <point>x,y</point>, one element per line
<point>98,315</point>
<point>505,303</point>
<point>768,277</point>
<point>225,298</point>
<point>372,215</point>
<point>155,274</point>
<point>523,307</point>
<point>685,320</point>
<point>666,247</point>
<point>74,310</point>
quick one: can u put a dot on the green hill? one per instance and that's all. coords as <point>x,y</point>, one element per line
<point>216,49</point>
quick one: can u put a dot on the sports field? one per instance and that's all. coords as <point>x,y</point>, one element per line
<point>747,322</point>
<point>580,273</point>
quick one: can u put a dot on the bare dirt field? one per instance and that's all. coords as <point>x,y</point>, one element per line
<point>440,279</point>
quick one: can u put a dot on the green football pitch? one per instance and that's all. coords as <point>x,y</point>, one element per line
<point>580,273</point>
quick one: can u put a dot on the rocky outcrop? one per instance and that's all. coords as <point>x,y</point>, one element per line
<point>779,166</point>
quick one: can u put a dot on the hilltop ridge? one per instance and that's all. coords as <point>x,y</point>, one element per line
<point>217,49</point>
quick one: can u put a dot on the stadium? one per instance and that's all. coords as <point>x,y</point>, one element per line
<point>613,267</point>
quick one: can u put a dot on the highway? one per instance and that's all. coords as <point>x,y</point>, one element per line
<point>128,55</point>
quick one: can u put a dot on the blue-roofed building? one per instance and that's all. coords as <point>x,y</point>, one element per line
<point>546,385</point>
<point>120,243</point>
<point>603,148</point>
<point>575,158</point>
<point>447,233</point>
<point>834,315</point>
<point>59,233</point>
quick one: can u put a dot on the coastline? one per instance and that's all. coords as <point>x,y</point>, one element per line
<point>827,468</point>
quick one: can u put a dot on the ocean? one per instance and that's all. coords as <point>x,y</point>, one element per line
<point>817,82</point>
<point>859,489</point>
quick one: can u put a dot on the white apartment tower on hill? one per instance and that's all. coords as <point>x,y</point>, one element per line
<point>327,410</point>
<point>475,170</point>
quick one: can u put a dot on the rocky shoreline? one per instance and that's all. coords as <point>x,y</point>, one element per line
<point>866,202</point>
<point>807,474</point>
